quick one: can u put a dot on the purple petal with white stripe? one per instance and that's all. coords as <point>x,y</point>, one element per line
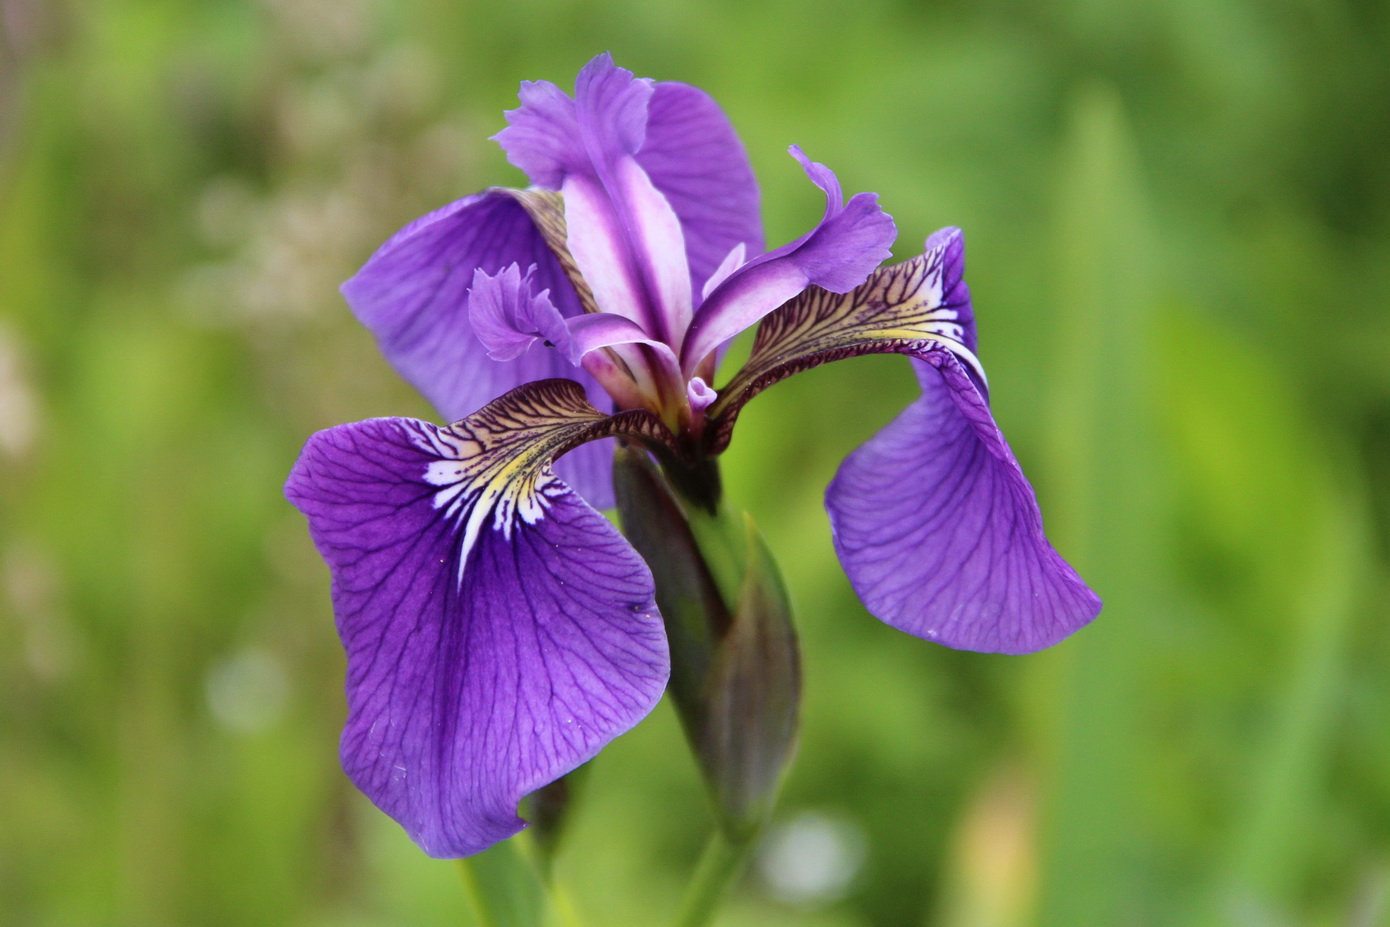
<point>953,299</point>
<point>679,136</point>
<point>625,237</point>
<point>958,556</point>
<point>498,630</point>
<point>696,160</point>
<point>837,255</point>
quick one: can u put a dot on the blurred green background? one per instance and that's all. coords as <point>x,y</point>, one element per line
<point>1179,247</point>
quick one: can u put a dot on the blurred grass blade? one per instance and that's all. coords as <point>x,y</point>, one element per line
<point>1102,503</point>
<point>1261,873</point>
<point>1264,486</point>
<point>505,890</point>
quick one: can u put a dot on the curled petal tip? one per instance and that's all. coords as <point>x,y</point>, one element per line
<point>838,254</point>
<point>509,316</point>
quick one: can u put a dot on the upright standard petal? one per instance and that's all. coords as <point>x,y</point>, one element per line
<point>940,533</point>
<point>623,233</point>
<point>837,255</point>
<point>678,135</point>
<point>498,630</point>
<point>412,294</point>
<point>696,160</point>
<point>552,135</point>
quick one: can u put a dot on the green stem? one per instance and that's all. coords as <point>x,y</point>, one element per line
<point>720,866</point>
<point>474,893</point>
<point>505,888</point>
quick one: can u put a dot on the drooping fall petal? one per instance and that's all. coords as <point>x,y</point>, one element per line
<point>498,630</point>
<point>934,521</point>
<point>940,533</point>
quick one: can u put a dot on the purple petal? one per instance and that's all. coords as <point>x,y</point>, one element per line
<point>837,255</point>
<point>589,468</point>
<point>695,158</point>
<point>649,367</point>
<point>612,106</point>
<point>496,638</point>
<point>509,316</point>
<point>627,242</point>
<point>602,330</point>
<point>736,258</point>
<point>953,301</point>
<point>679,135</point>
<point>413,296</point>
<point>625,237</point>
<point>551,136</point>
<point>542,135</point>
<point>958,556</point>
<point>908,308</point>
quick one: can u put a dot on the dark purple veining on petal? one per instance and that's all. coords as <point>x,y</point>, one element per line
<point>413,296</point>
<point>913,308</point>
<point>838,254</point>
<point>474,676</point>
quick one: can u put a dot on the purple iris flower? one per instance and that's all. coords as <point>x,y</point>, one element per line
<point>499,631</point>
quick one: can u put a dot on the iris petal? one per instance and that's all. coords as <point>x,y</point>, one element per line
<point>838,254</point>
<point>602,237</point>
<point>551,135</point>
<point>934,522</point>
<point>509,315</point>
<point>413,296</point>
<point>658,187</point>
<point>694,157</point>
<point>908,308</point>
<point>959,557</point>
<point>498,630</point>
<point>679,136</point>
<point>624,235</point>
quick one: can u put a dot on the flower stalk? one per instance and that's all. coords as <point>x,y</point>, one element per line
<point>720,865</point>
<point>735,667</point>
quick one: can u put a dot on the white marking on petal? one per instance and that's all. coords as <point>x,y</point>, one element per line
<point>475,485</point>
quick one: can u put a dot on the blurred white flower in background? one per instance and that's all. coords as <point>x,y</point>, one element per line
<point>812,859</point>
